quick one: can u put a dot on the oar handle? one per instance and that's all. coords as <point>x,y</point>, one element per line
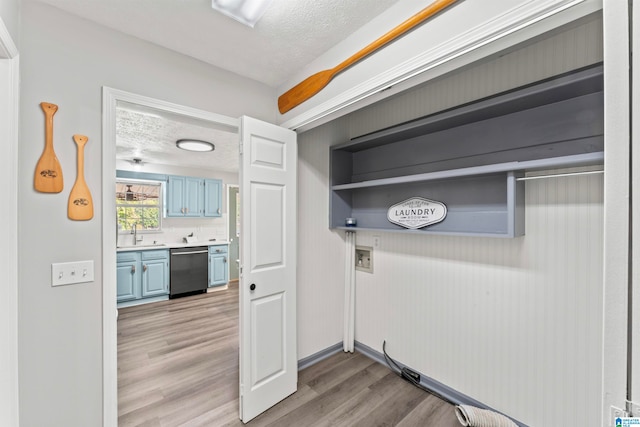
<point>80,141</point>
<point>396,32</point>
<point>49,110</point>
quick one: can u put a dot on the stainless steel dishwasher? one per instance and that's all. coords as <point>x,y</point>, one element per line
<point>189,271</point>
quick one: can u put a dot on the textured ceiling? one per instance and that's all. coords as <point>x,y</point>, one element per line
<point>290,35</point>
<point>151,136</point>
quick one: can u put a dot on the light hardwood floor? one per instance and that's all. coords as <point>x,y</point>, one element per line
<point>178,366</point>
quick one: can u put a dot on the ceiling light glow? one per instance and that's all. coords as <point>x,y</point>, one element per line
<point>195,145</point>
<point>247,12</point>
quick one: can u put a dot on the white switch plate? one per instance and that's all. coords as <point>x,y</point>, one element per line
<point>69,273</point>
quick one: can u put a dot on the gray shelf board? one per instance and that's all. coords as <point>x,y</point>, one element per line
<point>573,84</point>
<point>549,163</point>
<point>425,232</point>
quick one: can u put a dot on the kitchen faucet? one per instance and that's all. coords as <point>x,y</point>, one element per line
<point>134,231</point>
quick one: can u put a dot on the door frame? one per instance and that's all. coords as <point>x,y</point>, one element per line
<point>110,98</point>
<point>229,236</point>
<point>9,124</point>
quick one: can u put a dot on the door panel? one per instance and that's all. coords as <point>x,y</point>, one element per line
<point>268,356</point>
<point>126,278</point>
<point>154,278</point>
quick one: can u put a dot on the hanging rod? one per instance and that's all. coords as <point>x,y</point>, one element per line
<point>558,175</point>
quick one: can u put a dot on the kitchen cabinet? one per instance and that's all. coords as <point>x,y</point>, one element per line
<point>184,197</point>
<point>470,158</point>
<point>142,275</point>
<point>212,198</point>
<point>193,197</point>
<point>218,265</point>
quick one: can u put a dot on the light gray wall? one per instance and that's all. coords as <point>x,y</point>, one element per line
<point>514,323</point>
<point>9,13</point>
<point>66,61</point>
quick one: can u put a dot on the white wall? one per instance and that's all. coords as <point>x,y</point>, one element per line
<point>66,60</point>
<point>513,323</point>
<point>9,15</point>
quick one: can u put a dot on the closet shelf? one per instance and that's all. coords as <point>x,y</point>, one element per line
<point>550,163</point>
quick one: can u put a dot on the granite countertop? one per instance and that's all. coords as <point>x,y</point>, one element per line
<point>148,247</point>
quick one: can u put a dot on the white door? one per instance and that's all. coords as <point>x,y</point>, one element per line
<point>268,354</point>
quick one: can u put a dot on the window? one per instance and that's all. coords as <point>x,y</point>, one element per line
<point>140,203</point>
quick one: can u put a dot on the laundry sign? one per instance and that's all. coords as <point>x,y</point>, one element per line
<point>417,212</point>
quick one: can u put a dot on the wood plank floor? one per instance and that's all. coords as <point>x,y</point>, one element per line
<point>178,366</point>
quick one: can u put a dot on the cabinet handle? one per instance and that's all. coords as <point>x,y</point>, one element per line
<point>133,269</point>
<point>144,267</point>
<point>182,210</point>
<point>218,210</point>
<point>224,259</point>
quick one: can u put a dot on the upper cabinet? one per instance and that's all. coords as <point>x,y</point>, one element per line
<point>193,197</point>
<point>212,198</point>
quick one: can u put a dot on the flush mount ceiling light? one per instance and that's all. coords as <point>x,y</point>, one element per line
<point>246,11</point>
<point>137,163</point>
<point>194,145</point>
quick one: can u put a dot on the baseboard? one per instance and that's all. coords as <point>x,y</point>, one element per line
<point>437,387</point>
<point>317,357</point>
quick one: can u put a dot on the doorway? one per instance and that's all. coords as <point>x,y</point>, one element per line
<point>111,99</point>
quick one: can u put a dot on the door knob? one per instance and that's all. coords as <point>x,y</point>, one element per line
<point>252,287</point>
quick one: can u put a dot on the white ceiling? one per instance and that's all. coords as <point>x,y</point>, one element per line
<point>290,35</point>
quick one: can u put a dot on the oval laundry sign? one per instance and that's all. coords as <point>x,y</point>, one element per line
<point>417,212</point>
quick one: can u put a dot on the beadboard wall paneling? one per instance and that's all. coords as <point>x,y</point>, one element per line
<point>513,323</point>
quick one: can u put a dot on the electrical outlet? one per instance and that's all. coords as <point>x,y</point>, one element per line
<point>69,273</point>
<point>376,241</point>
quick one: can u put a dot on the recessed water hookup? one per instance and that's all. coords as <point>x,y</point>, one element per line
<point>364,258</point>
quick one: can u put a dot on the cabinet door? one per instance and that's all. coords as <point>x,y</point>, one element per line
<point>128,279</point>
<point>175,196</point>
<point>155,277</point>
<point>193,196</point>
<point>212,198</point>
<point>218,270</point>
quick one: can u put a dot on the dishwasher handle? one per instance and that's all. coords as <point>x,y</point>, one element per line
<point>190,253</point>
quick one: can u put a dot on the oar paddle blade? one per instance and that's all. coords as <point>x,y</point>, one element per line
<point>304,90</point>
<point>80,206</point>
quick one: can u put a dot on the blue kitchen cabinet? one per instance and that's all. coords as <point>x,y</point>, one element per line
<point>128,276</point>
<point>218,265</point>
<point>142,275</point>
<point>184,197</point>
<point>193,197</point>
<point>212,197</point>
<point>155,273</point>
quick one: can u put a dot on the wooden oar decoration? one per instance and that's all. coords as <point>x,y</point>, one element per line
<point>48,174</point>
<point>314,84</point>
<point>80,206</point>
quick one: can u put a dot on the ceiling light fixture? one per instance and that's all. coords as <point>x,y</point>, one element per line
<point>195,145</point>
<point>246,11</point>
<point>137,163</point>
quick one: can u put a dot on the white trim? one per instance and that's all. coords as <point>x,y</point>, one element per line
<point>9,108</point>
<point>616,207</point>
<point>8,48</point>
<point>471,41</point>
<point>635,209</point>
<point>110,98</point>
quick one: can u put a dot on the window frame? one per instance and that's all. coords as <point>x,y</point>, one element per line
<point>161,190</point>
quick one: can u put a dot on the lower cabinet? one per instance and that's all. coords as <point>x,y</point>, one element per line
<point>218,265</point>
<point>142,274</point>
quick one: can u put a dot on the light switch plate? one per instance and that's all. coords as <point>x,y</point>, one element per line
<point>69,273</point>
